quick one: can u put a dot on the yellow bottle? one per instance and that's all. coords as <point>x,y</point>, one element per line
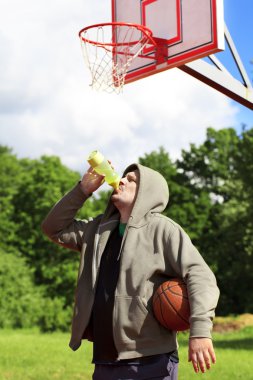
<point>102,166</point>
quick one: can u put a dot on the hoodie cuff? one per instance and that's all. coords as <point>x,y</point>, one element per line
<point>79,187</point>
<point>76,196</point>
<point>201,329</point>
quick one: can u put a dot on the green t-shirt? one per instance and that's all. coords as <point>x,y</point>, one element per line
<point>122,227</point>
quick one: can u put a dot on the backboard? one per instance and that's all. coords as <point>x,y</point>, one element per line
<point>185,30</point>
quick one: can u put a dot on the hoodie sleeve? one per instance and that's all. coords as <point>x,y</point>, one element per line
<point>60,224</point>
<point>202,289</point>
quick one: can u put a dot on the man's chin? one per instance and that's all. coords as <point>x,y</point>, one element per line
<point>114,196</point>
<point>116,193</point>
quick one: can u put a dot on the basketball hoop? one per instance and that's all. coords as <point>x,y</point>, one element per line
<point>109,50</point>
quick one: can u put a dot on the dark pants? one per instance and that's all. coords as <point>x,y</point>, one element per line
<point>162,369</point>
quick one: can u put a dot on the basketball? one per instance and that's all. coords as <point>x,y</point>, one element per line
<point>171,305</point>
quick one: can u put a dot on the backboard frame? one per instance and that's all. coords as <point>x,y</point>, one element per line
<point>180,50</point>
<point>218,77</point>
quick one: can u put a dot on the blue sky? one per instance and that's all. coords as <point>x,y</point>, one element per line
<point>48,107</point>
<point>238,17</point>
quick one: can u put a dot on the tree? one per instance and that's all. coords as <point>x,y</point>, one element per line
<point>10,174</point>
<point>217,167</point>
<point>211,164</point>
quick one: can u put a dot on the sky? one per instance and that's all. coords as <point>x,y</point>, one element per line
<point>48,108</point>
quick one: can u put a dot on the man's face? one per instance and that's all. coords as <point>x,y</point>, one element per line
<point>125,195</point>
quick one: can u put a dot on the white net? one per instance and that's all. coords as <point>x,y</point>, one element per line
<point>108,51</point>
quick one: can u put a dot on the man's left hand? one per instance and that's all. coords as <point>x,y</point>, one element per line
<point>201,353</point>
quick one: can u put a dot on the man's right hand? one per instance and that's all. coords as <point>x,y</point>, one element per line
<point>91,181</point>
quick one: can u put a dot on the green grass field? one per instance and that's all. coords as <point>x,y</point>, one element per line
<point>30,355</point>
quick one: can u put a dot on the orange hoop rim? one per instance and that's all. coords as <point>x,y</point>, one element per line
<point>148,33</point>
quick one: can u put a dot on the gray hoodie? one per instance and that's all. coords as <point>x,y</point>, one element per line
<point>154,248</point>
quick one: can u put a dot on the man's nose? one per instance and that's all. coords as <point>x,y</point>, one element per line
<point>123,181</point>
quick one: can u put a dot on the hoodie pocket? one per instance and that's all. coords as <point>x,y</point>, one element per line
<point>133,323</point>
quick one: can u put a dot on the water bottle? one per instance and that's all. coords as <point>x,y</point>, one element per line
<point>102,166</point>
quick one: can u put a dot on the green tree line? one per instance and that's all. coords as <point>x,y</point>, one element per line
<point>211,196</point>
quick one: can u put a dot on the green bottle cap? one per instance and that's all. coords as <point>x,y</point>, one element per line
<point>95,158</point>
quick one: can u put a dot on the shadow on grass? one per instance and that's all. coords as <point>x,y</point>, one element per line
<point>240,340</point>
<point>235,344</point>
<point>232,344</point>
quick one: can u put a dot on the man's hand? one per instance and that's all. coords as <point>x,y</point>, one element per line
<point>201,353</point>
<point>91,181</point>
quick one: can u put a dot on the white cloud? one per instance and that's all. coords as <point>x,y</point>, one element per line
<point>47,106</point>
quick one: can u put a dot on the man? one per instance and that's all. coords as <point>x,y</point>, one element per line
<point>126,253</point>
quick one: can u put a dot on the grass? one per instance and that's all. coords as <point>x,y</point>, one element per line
<point>30,355</point>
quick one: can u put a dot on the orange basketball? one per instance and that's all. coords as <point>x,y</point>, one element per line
<point>171,305</point>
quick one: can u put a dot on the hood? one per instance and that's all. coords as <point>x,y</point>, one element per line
<point>152,195</point>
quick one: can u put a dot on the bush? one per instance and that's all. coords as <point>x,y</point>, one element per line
<point>55,316</point>
<point>20,300</point>
<point>23,304</point>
